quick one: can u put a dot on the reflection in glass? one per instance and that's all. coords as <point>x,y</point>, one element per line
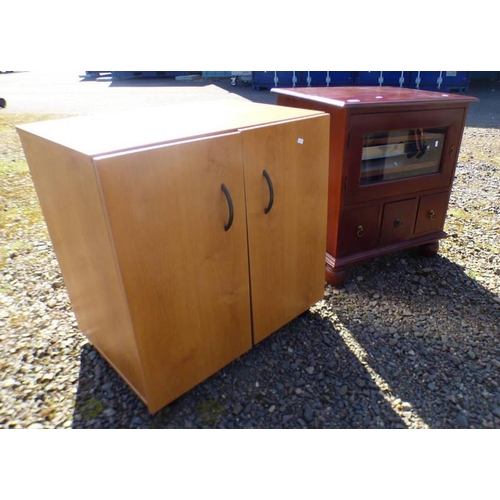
<point>398,154</point>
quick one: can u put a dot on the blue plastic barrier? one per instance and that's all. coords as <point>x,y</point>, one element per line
<point>391,78</point>
<point>327,78</point>
<point>269,79</point>
<point>447,81</point>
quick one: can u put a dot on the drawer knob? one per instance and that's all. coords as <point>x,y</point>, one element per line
<point>360,231</point>
<point>398,223</point>
<point>431,214</point>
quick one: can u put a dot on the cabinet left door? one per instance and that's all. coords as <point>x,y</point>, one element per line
<point>184,271</point>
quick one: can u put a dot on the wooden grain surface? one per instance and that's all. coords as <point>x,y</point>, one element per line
<point>379,96</point>
<point>136,213</point>
<point>70,200</point>
<point>108,133</point>
<point>185,277</point>
<point>286,246</point>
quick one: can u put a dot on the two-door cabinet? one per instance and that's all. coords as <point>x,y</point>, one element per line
<point>393,153</point>
<point>185,234</point>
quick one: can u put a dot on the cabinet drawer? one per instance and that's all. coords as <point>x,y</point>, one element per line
<point>358,229</point>
<point>398,220</point>
<point>431,213</point>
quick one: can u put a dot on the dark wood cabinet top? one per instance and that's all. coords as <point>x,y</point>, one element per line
<point>352,97</point>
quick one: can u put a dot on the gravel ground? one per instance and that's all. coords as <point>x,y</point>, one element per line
<point>408,342</point>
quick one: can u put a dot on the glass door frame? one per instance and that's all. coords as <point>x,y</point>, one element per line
<point>363,124</point>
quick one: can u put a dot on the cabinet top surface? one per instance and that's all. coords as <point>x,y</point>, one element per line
<point>95,135</point>
<point>352,97</point>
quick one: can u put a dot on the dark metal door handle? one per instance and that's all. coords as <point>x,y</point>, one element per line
<point>230,205</point>
<point>398,223</point>
<point>271,192</point>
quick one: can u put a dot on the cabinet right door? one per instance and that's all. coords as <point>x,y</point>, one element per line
<point>286,182</point>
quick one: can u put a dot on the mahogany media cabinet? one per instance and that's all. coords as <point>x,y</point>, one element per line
<point>184,234</point>
<point>393,153</point>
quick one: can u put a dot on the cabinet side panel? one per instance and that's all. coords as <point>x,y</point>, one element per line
<point>288,244</point>
<point>69,196</point>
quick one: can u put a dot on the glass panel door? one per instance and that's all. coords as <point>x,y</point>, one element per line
<point>400,154</point>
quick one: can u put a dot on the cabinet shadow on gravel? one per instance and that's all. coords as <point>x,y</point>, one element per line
<point>433,336</point>
<point>408,342</point>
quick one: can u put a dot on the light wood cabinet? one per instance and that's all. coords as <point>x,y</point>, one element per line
<point>185,234</point>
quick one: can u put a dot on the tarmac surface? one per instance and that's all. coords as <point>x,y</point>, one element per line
<point>68,92</point>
